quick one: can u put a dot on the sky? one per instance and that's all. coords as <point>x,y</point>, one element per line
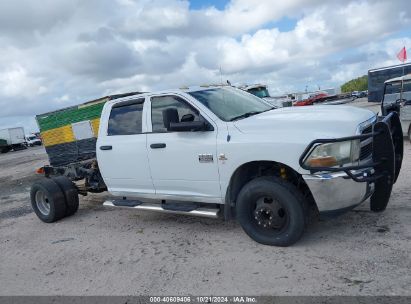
<point>62,53</point>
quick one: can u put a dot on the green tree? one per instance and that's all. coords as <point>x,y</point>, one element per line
<point>357,84</point>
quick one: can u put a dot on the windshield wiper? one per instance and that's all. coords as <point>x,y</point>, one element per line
<point>248,114</point>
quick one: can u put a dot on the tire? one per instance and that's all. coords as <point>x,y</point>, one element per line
<point>409,134</point>
<point>19,147</point>
<point>265,200</point>
<point>48,201</point>
<point>70,194</point>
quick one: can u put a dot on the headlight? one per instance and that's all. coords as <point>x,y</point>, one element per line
<point>334,154</point>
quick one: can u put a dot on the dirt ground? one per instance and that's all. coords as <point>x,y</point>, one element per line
<point>106,251</point>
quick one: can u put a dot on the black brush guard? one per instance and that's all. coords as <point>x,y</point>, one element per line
<point>384,167</point>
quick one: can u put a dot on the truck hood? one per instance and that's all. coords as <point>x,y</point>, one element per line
<point>310,121</point>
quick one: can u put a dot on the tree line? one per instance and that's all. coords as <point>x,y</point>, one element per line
<point>357,84</point>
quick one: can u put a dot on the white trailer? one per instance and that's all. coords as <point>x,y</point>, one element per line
<point>14,138</point>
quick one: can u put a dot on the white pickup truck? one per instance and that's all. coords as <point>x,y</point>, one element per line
<point>222,152</point>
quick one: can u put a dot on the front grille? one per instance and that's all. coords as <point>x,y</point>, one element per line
<point>366,144</point>
<point>367,130</point>
<point>366,151</point>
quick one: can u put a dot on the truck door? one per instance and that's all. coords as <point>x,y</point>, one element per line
<point>183,164</point>
<point>121,149</point>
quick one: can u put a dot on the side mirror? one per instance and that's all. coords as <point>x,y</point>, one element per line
<point>187,117</point>
<point>188,126</point>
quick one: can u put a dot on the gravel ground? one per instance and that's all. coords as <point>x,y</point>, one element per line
<point>105,251</point>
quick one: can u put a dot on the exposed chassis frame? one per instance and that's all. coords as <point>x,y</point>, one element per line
<point>87,170</point>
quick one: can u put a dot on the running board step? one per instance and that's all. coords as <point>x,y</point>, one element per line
<point>185,208</point>
<point>126,203</point>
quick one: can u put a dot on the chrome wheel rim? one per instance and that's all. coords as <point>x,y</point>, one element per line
<point>42,202</point>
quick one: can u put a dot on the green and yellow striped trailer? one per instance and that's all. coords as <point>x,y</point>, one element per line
<point>69,135</point>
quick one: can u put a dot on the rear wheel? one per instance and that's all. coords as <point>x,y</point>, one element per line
<point>272,211</point>
<point>48,201</point>
<point>70,194</point>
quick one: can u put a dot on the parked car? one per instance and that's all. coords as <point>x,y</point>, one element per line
<point>318,97</point>
<point>261,91</point>
<point>33,140</point>
<point>222,152</point>
<point>397,98</point>
<point>358,94</point>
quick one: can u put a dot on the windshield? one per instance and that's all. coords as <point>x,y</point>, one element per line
<point>32,137</point>
<point>393,90</point>
<point>230,104</point>
<point>259,92</point>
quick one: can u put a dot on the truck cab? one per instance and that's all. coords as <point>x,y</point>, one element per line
<point>222,152</point>
<point>397,98</point>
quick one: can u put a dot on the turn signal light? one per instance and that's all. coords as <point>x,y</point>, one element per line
<point>325,161</point>
<point>40,170</point>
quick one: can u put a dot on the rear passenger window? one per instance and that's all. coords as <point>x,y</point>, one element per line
<point>126,118</point>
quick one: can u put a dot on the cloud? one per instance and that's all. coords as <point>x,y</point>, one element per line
<point>155,18</point>
<point>100,58</point>
<point>23,21</point>
<point>15,82</point>
<point>62,53</point>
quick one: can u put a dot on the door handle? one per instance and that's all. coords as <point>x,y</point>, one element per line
<point>158,146</point>
<point>106,148</point>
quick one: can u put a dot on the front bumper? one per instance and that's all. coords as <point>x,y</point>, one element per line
<point>337,189</point>
<point>336,193</point>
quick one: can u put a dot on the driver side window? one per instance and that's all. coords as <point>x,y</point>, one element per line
<point>166,109</point>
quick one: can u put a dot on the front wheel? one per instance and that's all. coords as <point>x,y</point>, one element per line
<point>271,211</point>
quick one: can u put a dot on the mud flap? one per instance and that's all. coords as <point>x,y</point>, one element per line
<point>387,152</point>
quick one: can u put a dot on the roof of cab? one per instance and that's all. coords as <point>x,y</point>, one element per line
<point>204,87</point>
<point>253,86</point>
<point>171,91</point>
<point>401,78</point>
<point>181,89</point>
